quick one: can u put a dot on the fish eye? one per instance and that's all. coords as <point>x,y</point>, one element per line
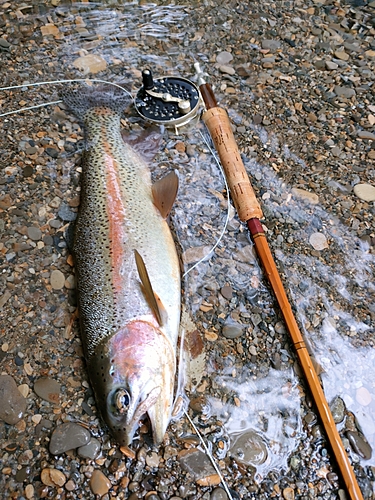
<point>121,401</point>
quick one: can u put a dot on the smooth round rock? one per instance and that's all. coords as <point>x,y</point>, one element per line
<point>68,436</point>
<point>52,477</point>
<point>99,483</point>
<point>34,233</point>
<point>288,493</point>
<point>47,389</point>
<point>218,494</point>
<point>29,491</point>
<point>249,448</point>
<point>153,459</point>
<point>90,450</point>
<point>57,279</point>
<point>338,410</point>
<point>359,445</point>
<point>227,292</point>
<point>13,404</point>
<point>318,241</point>
<point>363,396</point>
<point>65,213</point>
<point>307,196</point>
<point>232,330</point>
<point>365,192</point>
<point>224,57</point>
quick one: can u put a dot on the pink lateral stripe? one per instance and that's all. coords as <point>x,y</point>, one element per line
<point>116,216</point>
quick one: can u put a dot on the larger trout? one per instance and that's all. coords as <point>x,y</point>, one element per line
<point>128,275</point>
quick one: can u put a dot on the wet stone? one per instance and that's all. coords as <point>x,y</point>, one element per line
<point>232,330</point>
<point>310,419</point>
<point>288,493</point>
<point>22,474</point>
<point>47,389</point>
<point>218,494</point>
<point>249,448</point>
<point>227,292</point>
<point>307,196</point>
<point>271,45</point>
<point>359,445</point>
<point>65,213</point>
<point>68,436</point>
<point>338,410</point>
<point>90,450</point>
<point>365,192</point>
<point>318,241</point>
<point>224,57</point>
<point>153,459</point>
<point>57,279</point>
<point>99,483</point>
<point>344,91</point>
<point>52,477</point>
<point>196,463</point>
<point>27,171</point>
<point>13,404</point>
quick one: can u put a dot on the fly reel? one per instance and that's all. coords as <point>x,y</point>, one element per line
<point>169,101</point>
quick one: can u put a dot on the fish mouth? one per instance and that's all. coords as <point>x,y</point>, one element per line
<point>125,427</point>
<point>133,376</point>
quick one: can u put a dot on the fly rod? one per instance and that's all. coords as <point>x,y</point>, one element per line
<point>249,211</point>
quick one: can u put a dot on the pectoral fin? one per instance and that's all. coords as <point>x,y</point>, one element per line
<point>164,192</point>
<point>152,298</point>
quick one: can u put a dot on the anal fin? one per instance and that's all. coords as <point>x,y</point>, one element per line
<point>164,193</point>
<point>152,298</point>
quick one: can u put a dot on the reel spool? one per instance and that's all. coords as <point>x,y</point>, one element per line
<point>169,101</point>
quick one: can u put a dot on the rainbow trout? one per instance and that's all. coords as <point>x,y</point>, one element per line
<point>127,270</point>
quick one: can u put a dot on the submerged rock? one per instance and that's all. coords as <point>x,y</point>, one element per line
<point>13,404</point>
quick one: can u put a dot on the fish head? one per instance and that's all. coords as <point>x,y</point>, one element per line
<point>132,374</point>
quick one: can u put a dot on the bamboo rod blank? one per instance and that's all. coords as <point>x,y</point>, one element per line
<point>248,209</point>
<point>312,378</point>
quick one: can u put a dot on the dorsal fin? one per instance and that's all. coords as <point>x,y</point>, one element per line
<point>164,192</point>
<point>153,300</point>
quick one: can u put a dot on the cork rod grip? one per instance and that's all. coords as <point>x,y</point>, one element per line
<point>243,196</point>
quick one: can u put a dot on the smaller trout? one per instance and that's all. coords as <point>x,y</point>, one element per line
<point>128,275</point>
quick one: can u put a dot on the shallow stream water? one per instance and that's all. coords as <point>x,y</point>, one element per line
<point>246,391</point>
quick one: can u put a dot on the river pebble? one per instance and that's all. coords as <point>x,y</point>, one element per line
<point>29,491</point>
<point>249,447</point>
<point>232,330</point>
<point>34,233</point>
<point>306,195</point>
<point>359,445</point>
<point>99,483</point>
<point>224,57</point>
<point>13,404</point>
<point>52,477</point>
<point>90,63</point>
<point>47,389</point>
<point>318,241</point>
<point>57,279</point>
<point>90,450</point>
<point>196,463</point>
<point>337,408</point>
<point>68,436</point>
<point>365,192</point>
<point>218,494</point>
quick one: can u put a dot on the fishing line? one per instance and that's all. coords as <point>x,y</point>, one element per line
<point>56,82</point>
<point>228,209</point>
<point>209,455</point>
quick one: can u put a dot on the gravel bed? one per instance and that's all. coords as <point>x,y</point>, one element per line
<point>297,80</point>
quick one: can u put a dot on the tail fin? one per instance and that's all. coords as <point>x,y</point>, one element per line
<point>81,100</point>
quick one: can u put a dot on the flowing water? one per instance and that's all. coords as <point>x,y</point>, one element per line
<point>247,394</point>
